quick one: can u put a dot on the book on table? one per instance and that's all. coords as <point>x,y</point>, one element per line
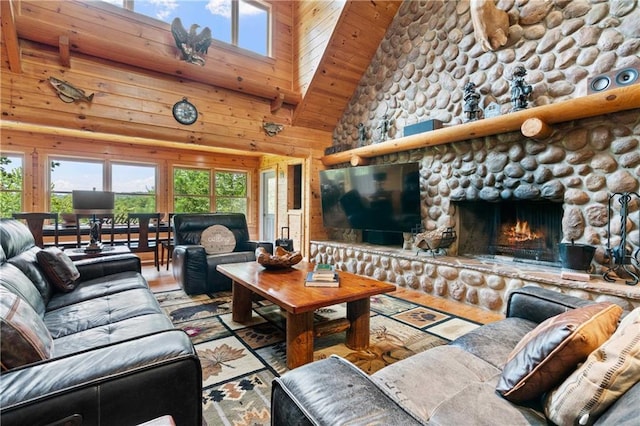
<point>323,271</point>
<point>322,280</point>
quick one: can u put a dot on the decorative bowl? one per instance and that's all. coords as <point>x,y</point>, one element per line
<point>281,259</point>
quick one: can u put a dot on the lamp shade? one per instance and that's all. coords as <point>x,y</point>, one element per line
<point>92,202</point>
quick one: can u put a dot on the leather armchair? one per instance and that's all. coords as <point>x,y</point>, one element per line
<point>193,268</point>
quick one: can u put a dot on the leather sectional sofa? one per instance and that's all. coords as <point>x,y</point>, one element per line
<point>457,384</point>
<point>195,260</point>
<point>98,350</point>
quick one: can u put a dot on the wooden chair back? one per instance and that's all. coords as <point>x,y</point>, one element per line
<point>148,237</point>
<point>35,223</point>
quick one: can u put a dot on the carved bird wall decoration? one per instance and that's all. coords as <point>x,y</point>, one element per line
<point>192,45</point>
<point>272,129</point>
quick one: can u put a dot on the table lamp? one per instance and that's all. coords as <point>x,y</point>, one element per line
<point>94,203</point>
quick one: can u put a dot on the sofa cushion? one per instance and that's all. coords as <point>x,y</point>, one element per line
<point>27,262</point>
<point>14,280</point>
<point>218,239</point>
<point>494,342</point>
<point>109,334</point>
<point>25,339</point>
<point>426,382</point>
<point>58,268</point>
<point>100,311</point>
<point>550,352</point>
<point>608,372</point>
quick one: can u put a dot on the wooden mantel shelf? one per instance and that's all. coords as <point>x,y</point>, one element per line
<point>537,121</point>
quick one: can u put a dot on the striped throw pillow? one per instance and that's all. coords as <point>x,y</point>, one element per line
<point>607,374</point>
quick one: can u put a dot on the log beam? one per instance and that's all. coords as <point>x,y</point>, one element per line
<point>357,160</point>
<point>536,129</point>
<point>10,34</point>
<point>614,100</point>
<point>276,104</point>
<point>65,53</point>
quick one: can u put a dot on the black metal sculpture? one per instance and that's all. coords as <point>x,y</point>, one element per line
<point>520,91</point>
<point>471,102</point>
<point>623,264</point>
<point>362,134</point>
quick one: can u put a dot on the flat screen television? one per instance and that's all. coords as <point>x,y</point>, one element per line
<point>382,197</point>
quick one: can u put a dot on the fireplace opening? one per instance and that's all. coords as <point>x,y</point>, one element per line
<point>524,230</point>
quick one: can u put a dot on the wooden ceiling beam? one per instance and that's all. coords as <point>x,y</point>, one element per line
<point>65,53</point>
<point>10,34</point>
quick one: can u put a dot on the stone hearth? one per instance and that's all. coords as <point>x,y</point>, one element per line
<point>481,282</point>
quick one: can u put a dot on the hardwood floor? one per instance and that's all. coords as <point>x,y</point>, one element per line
<point>163,281</point>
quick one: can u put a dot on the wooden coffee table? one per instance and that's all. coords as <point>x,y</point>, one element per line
<point>286,289</point>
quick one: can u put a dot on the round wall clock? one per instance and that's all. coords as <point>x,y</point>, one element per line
<point>185,112</point>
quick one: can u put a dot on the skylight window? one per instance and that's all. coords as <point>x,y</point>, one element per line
<point>242,23</point>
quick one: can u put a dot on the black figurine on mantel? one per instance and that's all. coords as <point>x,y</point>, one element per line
<point>520,91</point>
<point>362,134</point>
<point>471,101</point>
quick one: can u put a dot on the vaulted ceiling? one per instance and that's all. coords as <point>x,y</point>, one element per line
<point>337,49</point>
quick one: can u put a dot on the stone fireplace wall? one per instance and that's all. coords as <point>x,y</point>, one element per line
<point>427,56</point>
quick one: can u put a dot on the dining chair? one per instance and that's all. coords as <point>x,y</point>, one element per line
<point>35,222</point>
<point>148,239</point>
<point>103,218</point>
<point>168,243</point>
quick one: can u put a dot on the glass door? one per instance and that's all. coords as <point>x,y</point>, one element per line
<point>268,204</point>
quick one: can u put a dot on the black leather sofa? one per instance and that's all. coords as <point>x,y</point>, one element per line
<point>193,268</point>
<point>453,384</point>
<point>113,357</point>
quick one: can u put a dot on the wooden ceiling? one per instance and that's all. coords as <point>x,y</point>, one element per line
<point>105,32</point>
<point>352,42</point>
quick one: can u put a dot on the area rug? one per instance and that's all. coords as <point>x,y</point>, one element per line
<point>239,361</point>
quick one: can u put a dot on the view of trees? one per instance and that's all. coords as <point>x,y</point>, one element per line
<point>10,187</point>
<point>192,193</point>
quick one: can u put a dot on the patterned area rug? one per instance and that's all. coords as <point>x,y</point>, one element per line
<point>239,361</point>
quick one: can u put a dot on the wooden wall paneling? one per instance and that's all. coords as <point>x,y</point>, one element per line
<point>228,121</point>
<point>151,47</point>
<point>11,45</point>
<point>315,22</point>
<point>360,27</point>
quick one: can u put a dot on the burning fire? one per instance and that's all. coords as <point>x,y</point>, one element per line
<point>521,232</point>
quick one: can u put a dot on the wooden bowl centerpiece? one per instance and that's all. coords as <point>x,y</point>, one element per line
<point>281,259</point>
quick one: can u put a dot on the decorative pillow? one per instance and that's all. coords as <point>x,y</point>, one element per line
<point>608,372</point>
<point>59,268</point>
<point>25,339</point>
<point>549,353</point>
<point>218,239</point>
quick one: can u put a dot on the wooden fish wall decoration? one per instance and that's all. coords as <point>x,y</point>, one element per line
<point>69,93</point>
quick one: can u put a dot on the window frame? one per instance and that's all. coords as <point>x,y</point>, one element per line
<point>235,22</point>
<point>21,191</point>
<point>107,176</point>
<point>174,194</point>
<point>247,188</point>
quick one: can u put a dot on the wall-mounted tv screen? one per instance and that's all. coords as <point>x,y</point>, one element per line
<point>378,197</point>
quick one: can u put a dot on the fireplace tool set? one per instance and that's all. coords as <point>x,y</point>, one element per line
<point>622,263</point>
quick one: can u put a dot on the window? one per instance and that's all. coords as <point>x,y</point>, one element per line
<point>67,175</point>
<point>11,184</point>
<point>134,184</point>
<point>191,191</point>
<point>135,189</point>
<point>231,192</point>
<point>242,23</point>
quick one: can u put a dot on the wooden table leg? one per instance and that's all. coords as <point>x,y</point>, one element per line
<point>358,315</point>
<point>299,339</point>
<point>241,303</point>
